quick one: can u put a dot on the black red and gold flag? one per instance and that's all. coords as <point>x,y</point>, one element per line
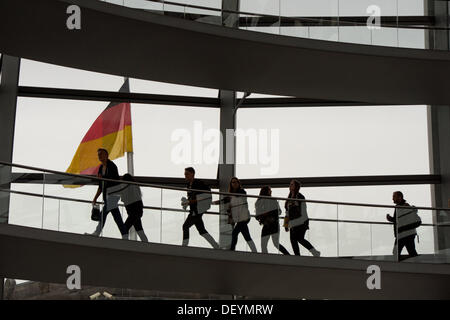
<point>110,131</point>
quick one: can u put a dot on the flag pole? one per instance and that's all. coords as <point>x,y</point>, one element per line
<point>130,163</point>
<point>132,235</point>
<point>130,169</point>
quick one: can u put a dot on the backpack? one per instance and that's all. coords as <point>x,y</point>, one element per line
<point>204,201</point>
<point>407,219</point>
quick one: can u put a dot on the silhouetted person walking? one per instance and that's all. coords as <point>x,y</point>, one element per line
<point>108,170</point>
<point>405,222</point>
<point>267,213</point>
<point>132,199</point>
<point>239,215</point>
<point>198,203</point>
<point>297,220</point>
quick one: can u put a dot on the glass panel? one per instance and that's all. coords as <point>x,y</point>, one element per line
<point>268,7</point>
<point>26,201</point>
<point>434,248</point>
<point>318,18</point>
<point>361,35</point>
<point>411,38</point>
<point>217,4</point>
<point>172,220</point>
<point>356,239</point>
<point>155,7</point>
<point>152,218</point>
<point>382,241</point>
<point>39,74</point>
<point>26,210</point>
<point>323,235</point>
<point>324,33</point>
<point>359,7</point>
<point>354,143</point>
<point>202,15</point>
<point>155,87</point>
<point>51,214</point>
<point>411,7</point>
<point>266,16</point>
<point>385,37</point>
<point>188,136</point>
<point>75,217</point>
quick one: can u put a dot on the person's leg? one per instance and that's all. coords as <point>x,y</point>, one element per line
<point>301,238</point>
<point>119,222</point>
<point>186,225</point>
<point>395,248</point>
<point>276,242</point>
<point>131,217</point>
<point>294,243</point>
<point>284,250</point>
<point>306,243</point>
<point>264,238</point>
<point>411,246</point>
<point>202,230</point>
<point>234,235</point>
<point>139,230</point>
<point>128,223</point>
<point>101,222</point>
<point>134,217</point>
<point>401,245</point>
<point>264,242</point>
<point>247,237</point>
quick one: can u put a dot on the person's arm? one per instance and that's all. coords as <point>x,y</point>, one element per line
<point>199,186</point>
<point>114,171</point>
<point>389,218</point>
<point>286,223</point>
<point>219,201</point>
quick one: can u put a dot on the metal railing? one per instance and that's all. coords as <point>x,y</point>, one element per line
<point>335,212</point>
<point>159,186</point>
<point>332,21</point>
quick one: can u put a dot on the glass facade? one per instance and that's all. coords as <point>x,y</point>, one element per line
<point>270,142</point>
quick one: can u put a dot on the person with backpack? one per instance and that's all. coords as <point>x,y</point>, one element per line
<point>131,197</point>
<point>267,213</point>
<point>198,203</point>
<point>238,213</point>
<point>405,221</point>
<point>296,220</point>
<point>107,170</point>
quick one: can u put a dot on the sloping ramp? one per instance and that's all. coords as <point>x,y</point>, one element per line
<point>42,255</point>
<point>134,43</point>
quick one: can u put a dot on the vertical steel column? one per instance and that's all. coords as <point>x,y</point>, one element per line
<point>8,100</point>
<point>227,161</point>
<point>439,128</point>
<point>230,19</point>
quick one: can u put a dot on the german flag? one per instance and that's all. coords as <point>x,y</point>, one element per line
<point>110,131</point>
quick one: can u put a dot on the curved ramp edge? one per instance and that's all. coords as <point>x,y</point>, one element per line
<point>134,43</point>
<point>43,255</point>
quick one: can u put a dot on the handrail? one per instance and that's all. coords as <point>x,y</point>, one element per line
<point>386,25</point>
<point>32,194</point>
<point>212,192</point>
